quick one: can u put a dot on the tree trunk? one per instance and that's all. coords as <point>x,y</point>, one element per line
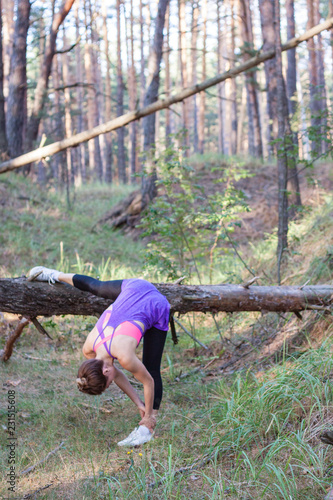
<point>183,71</point>
<point>132,89</point>
<point>291,56</point>
<point>68,117</point>
<point>120,103</point>
<point>268,35</point>
<point>167,76</point>
<point>80,151</point>
<point>202,97</point>
<point>194,76</point>
<point>255,143</point>
<point>157,105</point>
<point>321,82</point>
<point>98,105</point>
<point>313,79</point>
<point>151,96</point>
<point>3,138</point>
<point>43,80</point>
<point>18,81</point>
<point>221,86</point>
<point>8,21</point>
<point>108,139</point>
<point>282,155</point>
<point>31,299</point>
<point>233,95</point>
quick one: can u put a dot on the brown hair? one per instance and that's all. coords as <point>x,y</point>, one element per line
<point>91,379</point>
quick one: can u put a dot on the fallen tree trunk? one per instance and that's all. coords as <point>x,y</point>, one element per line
<point>121,121</point>
<point>32,299</point>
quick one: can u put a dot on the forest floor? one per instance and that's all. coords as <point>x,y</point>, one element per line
<point>240,420</point>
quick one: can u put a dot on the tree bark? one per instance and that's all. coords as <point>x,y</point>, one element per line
<point>291,56</point>
<point>155,57</point>
<point>109,153</point>
<point>80,151</point>
<point>3,138</point>
<point>183,71</point>
<point>120,103</point>
<point>133,101</point>
<point>313,80</point>
<point>157,105</point>
<point>233,94</point>
<point>268,35</point>
<point>202,96</point>
<point>194,76</point>
<point>282,115</point>
<point>31,299</point>
<point>221,86</point>
<point>255,143</point>
<point>43,80</point>
<point>167,76</point>
<point>18,81</point>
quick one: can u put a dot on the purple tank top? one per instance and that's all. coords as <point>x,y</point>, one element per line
<point>140,301</point>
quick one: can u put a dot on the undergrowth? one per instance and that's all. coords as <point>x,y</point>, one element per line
<point>246,433</point>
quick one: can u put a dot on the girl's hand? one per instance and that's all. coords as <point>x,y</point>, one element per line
<point>141,408</point>
<point>149,422</point>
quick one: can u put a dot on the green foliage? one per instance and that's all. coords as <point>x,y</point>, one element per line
<point>188,224</point>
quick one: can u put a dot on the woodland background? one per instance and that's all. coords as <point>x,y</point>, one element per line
<point>232,183</point>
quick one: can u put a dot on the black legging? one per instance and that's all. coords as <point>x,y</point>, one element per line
<point>153,340</point>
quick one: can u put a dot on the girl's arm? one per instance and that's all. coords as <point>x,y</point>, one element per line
<point>130,362</point>
<point>124,384</point>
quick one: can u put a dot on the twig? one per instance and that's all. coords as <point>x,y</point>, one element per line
<point>210,362</point>
<point>33,467</point>
<point>24,355</point>
<point>40,328</point>
<point>103,410</point>
<point>250,282</point>
<point>190,334</point>
<point>34,276</point>
<point>188,374</point>
<point>8,350</point>
<point>179,280</point>
<point>301,287</point>
<point>182,470</point>
<point>33,493</point>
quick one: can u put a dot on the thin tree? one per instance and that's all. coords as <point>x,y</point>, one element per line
<point>202,102</point>
<point>43,80</point>
<point>132,100</point>
<point>183,69</point>
<point>18,81</point>
<point>233,93</point>
<point>151,96</point>
<point>167,75</point>
<point>268,34</point>
<point>120,102</point>
<point>282,157</point>
<point>254,127</point>
<point>80,150</point>
<point>3,138</point>
<point>108,138</point>
<point>221,86</point>
<point>194,75</point>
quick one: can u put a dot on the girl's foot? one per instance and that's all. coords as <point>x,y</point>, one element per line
<point>140,435</point>
<point>50,275</point>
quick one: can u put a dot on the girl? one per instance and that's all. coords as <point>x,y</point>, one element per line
<point>139,310</point>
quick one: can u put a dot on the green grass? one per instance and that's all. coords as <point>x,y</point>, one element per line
<point>251,434</point>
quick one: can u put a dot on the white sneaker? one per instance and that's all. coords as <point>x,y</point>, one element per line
<point>140,435</point>
<point>50,275</point>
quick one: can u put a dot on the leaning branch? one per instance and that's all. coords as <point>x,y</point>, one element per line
<point>123,120</point>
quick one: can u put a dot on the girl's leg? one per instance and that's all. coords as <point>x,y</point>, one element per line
<point>105,289</point>
<point>153,345</point>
